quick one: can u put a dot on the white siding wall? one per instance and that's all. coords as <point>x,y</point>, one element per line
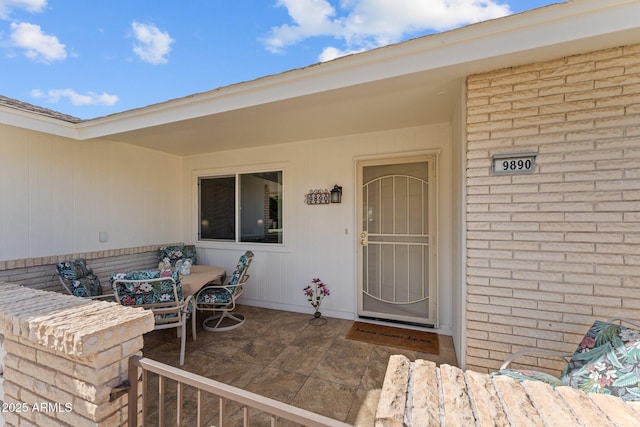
<point>320,240</point>
<point>56,195</point>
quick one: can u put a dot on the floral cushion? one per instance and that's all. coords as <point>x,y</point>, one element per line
<point>80,278</point>
<point>142,293</point>
<point>214,296</point>
<point>606,361</point>
<point>243,262</point>
<point>177,252</point>
<point>525,374</point>
<point>132,293</point>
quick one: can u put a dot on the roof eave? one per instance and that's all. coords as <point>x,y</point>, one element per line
<point>38,122</point>
<point>564,28</point>
<point>553,31</point>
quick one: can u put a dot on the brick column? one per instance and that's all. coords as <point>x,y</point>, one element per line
<point>64,355</point>
<point>551,251</point>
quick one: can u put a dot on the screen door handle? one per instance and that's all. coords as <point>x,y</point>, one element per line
<point>364,241</point>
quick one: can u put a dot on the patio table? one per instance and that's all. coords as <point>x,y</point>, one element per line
<point>200,276</point>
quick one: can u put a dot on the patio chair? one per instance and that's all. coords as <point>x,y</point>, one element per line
<point>221,298</point>
<point>160,292</point>
<point>78,279</point>
<point>606,361</point>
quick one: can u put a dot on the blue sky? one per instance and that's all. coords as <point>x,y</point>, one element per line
<point>93,58</point>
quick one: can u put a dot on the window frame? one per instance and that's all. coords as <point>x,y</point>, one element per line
<point>236,173</point>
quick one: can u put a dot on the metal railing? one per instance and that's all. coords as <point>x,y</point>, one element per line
<point>224,393</point>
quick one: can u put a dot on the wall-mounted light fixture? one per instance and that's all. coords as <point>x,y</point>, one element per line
<point>336,194</point>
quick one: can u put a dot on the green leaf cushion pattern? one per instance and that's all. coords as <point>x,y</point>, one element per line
<point>80,277</point>
<point>606,361</point>
<point>177,253</point>
<point>143,293</point>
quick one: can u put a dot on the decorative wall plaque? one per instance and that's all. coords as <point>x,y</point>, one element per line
<point>318,197</point>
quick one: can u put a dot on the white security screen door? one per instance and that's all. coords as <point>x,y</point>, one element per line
<point>396,257</point>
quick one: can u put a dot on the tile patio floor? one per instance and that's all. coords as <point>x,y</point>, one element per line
<point>278,354</point>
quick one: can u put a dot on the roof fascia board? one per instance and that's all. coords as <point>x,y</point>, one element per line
<point>39,123</point>
<point>530,40</point>
<point>477,44</point>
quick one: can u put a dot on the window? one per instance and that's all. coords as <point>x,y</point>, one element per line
<point>242,207</point>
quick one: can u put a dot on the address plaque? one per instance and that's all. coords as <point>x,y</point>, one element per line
<point>514,163</point>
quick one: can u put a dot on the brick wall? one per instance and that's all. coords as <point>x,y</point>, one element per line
<point>64,355</point>
<point>551,251</point>
<point>39,273</point>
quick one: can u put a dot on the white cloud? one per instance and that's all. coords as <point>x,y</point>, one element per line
<point>365,24</point>
<point>329,53</point>
<point>6,6</point>
<point>152,45</point>
<point>310,18</point>
<point>38,45</point>
<point>90,98</point>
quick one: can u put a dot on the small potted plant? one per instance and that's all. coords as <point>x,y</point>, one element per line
<point>315,293</point>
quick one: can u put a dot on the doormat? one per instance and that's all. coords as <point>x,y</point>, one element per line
<point>408,339</point>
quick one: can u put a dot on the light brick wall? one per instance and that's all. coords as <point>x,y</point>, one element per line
<point>39,273</point>
<point>64,356</point>
<point>550,252</point>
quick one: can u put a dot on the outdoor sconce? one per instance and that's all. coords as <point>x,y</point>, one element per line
<point>336,194</point>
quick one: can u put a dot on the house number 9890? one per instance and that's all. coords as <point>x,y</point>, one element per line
<point>516,165</point>
<point>513,164</point>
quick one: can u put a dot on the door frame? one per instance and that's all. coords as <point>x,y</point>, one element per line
<point>399,158</point>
